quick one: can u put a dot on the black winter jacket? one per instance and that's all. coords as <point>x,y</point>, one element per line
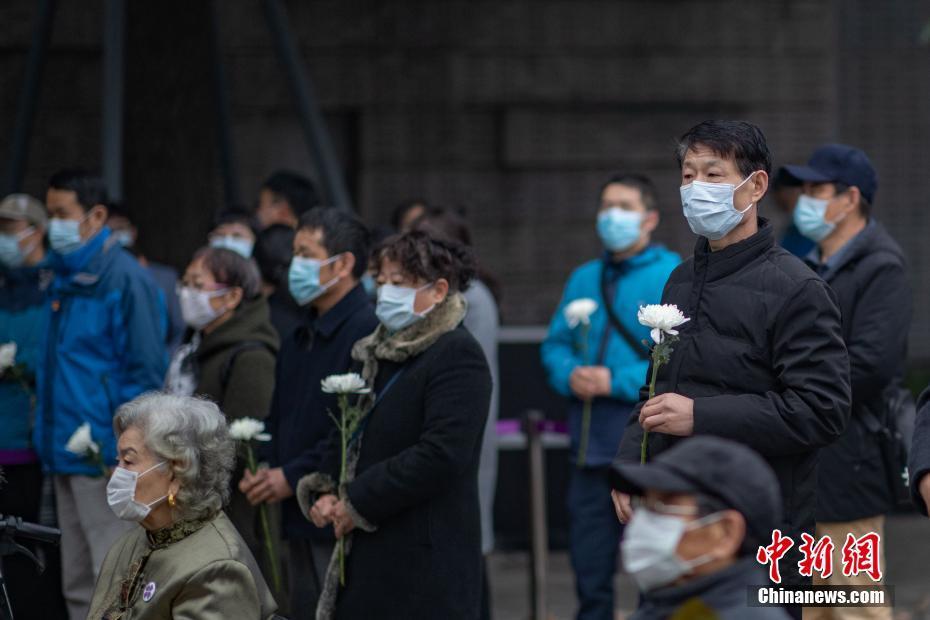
<point>919,462</point>
<point>869,278</point>
<point>764,360</point>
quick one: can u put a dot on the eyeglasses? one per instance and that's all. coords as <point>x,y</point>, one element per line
<point>659,507</point>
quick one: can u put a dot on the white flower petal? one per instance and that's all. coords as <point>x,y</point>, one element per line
<point>580,311</point>
<point>80,442</point>
<point>246,429</point>
<point>7,356</point>
<point>349,383</point>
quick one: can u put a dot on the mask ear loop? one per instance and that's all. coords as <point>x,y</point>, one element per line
<point>743,182</point>
<point>696,524</point>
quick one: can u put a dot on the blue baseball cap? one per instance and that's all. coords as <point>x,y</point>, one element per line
<point>838,163</point>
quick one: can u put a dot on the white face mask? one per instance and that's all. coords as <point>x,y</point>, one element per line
<point>649,544</point>
<point>709,208</point>
<point>196,309</point>
<point>395,308</point>
<point>121,494</point>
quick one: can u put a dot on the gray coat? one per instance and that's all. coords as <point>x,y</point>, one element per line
<point>483,323</point>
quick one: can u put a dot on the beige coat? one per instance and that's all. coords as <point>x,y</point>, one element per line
<point>207,574</point>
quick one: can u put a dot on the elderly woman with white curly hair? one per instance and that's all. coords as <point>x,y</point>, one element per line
<point>187,560</point>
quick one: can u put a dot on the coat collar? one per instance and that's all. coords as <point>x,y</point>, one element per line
<point>732,258</point>
<point>327,324</point>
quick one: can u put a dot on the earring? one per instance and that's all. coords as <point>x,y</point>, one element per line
<point>171,500</point>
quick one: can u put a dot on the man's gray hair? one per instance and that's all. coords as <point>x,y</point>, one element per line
<point>191,434</point>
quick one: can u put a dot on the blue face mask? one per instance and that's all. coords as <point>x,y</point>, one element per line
<point>619,229</point>
<point>65,235</point>
<point>303,279</point>
<point>709,208</point>
<point>809,217</point>
<point>395,306</point>
<point>11,255</point>
<point>242,247</point>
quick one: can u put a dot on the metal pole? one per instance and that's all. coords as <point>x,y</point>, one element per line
<point>113,63</point>
<point>28,97</point>
<point>539,547</point>
<point>311,119</point>
<point>227,152</point>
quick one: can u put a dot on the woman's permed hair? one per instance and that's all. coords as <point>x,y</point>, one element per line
<point>429,258</point>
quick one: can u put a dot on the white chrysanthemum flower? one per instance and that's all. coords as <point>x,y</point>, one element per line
<point>7,356</point>
<point>248,429</point>
<point>662,318</point>
<point>349,383</point>
<point>580,311</point>
<point>81,443</point>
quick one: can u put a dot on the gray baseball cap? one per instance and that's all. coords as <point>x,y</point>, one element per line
<point>23,207</point>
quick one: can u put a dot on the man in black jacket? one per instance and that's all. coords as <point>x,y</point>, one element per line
<point>762,359</point>
<point>919,462</point>
<point>330,256</point>
<point>866,269</point>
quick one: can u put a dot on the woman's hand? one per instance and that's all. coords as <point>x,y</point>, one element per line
<point>342,520</point>
<point>322,511</point>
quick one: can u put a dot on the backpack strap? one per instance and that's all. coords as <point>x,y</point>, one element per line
<point>615,322</point>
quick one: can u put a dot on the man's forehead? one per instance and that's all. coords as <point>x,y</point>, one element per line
<point>704,156</point>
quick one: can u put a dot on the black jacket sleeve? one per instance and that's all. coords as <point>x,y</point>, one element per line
<point>878,333</point>
<point>812,365</point>
<point>457,396</point>
<point>919,465</point>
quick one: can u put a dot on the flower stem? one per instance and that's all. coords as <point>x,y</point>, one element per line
<point>266,529</point>
<point>343,405</point>
<point>652,392</point>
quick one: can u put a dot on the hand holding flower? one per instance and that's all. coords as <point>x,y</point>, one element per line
<point>342,520</point>
<point>590,381</point>
<point>321,513</point>
<point>672,414</point>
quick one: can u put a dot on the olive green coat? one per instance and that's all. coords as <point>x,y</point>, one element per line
<point>208,574</point>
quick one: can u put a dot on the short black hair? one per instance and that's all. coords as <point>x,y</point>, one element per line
<point>740,141</point>
<point>232,270</point>
<point>295,188</point>
<point>236,215</point>
<point>430,258</point>
<point>274,249</point>
<point>342,232</point>
<point>87,186</point>
<point>644,184</point>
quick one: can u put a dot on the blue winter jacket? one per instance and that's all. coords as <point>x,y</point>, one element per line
<point>636,281</point>
<point>103,344</point>
<point>22,303</point>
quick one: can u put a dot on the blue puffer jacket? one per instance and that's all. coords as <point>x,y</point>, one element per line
<point>22,300</point>
<point>637,281</point>
<point>103,345</point>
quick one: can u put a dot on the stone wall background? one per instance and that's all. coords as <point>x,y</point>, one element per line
<point>515,109</point>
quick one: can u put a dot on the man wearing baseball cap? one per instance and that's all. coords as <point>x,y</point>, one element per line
<point>22,297</point>
<point>702,509</point>
<point>858,475</point>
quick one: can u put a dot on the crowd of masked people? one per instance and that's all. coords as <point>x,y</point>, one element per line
<point>782,406</point>
<point>157,364</point>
